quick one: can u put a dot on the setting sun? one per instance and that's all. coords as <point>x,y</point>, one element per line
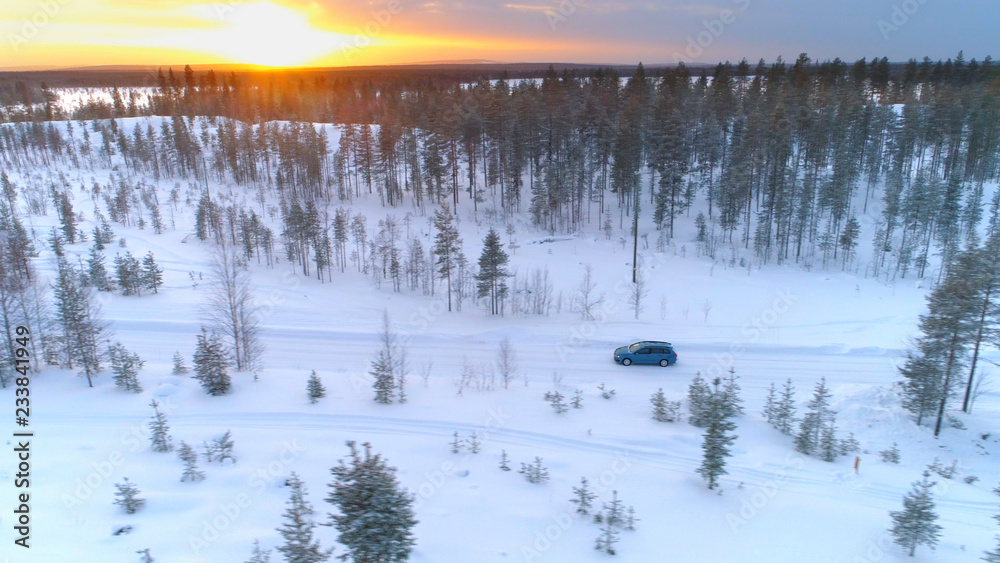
<point>267,34</point>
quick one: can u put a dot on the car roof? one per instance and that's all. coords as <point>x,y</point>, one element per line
<point>655,342</point>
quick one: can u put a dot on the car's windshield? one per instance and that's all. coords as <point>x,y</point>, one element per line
<point>635,347</point>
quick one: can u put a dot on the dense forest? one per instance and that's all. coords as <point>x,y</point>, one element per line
<point>785,157</point>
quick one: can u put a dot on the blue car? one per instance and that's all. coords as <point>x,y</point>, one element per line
<point>647,352</point>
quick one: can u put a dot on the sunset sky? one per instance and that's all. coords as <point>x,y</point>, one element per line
<point>69,33</point>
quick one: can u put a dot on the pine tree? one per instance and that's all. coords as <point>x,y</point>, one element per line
<point>80,322</point>
<point>818,417</point>
<point>297,530</point>
<point>315,388</point>
<point>376,517</point>
<point>931,372</point>
<point>447,247</point>
<point>717,438</point>
<point>125,365</point>
<point>612,519</point>
<point>770,405</point>
<point>916,525</point>
<point>97,274</point>
<point>849,445</point>
<point>221,448</point>
<point>128,271</point>
<point>534,473</point>
<point>179,367</point>
<point>583,497</point>
<point>384,383</point>
<point>829,446</point>
<point>146,557</point>
<point>491,281</point>
<point>698,396</point>
<point>784,413</point>
<point>151,275</point>
<point>731,395</point>
<point>474,443</point>
<point>456,443</point>
<point>890,454</point>
<point>504,461</point>
<point>664,410</point>
<point>210,364</point>
<point>187,455</point>
<point>259,555</point>
<point>555,398</point>
<point>159,430</point>
<point>128,497</point>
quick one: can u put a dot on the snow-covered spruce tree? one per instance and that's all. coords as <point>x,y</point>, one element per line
<point>491,280</point>
<point>179,367</point>
<point>390,364</point>
<point>146,557</point>
<point>664,410</point>
<point>221,448</point>
<point>916,524</point>
<point>474,444</point>
<point>890,454</point>
<point>297,529</point>
<point>829,446</point>
<point>128,272</point>
<point>818,416</point>
<point>784,410</point>
<point>698,395</point>
<point>932,370</point>
<point>159,430</point>
<point>770,405</point>
<point>375,516</point>
<point>231,309</point>
<point>384,383</point>
<point>731,393</point>
<point>151,275</point>
<point>314,388</point>
<point>125,366</point>
<point>447,247</point>
<point>128,497</point>
<point>583,497</point>
<point>849,445</point>
<point>577,401</point>
<point>259,555</point>
<point>555,398</point>
<point>718,437</point>
<point>534,473</point>
<point>612,519</point>
<point>504,461</point>
<point>80,322</point>
<point>97,273</point>
<point>190,458</point>
<point>210,364</point>
<point>456,443</point>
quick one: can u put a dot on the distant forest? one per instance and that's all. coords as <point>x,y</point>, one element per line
<point>784,160</point>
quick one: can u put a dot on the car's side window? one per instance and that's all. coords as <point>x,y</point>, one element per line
<point>643,351</point>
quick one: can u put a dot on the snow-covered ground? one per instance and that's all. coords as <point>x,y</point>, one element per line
<point>766,324</point>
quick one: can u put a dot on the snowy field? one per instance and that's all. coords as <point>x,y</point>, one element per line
<point>767,325</point>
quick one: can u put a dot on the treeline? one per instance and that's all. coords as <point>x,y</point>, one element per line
<point>785,157</point>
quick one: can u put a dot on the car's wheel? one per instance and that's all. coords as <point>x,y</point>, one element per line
<point>626,362</point>
<point>664,363</point>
